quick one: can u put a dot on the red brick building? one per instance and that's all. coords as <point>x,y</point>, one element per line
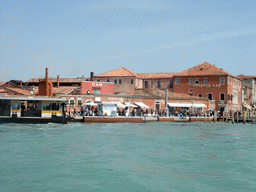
<point>97,87</point>
<point>223,89</point>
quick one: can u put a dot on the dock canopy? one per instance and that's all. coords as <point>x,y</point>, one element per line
<point>141,105</point>
<point>177,104</point>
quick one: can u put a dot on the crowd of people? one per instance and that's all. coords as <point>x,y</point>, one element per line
<point>138,112</point>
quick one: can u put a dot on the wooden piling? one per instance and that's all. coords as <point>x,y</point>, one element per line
<point>244,117</point>
<point>237,117</point>
<point>232,116</point>
<point>205,114</point>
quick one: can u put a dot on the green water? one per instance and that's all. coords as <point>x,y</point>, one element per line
<point>128,157</point>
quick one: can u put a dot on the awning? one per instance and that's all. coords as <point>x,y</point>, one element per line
<point>128,104</point>
<point>120,105</point>
<point>247,106</point>
<point>142,105</point>
<point>177,104</point>
<point>109,103</point>
<point>90,103</point>
<point>199,105</point>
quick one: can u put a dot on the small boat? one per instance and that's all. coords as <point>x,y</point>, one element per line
<point>17,109</point>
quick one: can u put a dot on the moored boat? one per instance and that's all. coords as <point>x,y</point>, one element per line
<point>18,109</point>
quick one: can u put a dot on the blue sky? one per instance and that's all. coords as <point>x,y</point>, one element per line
<point>74,37</point>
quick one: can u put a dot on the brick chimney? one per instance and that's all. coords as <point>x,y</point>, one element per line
<point>58,81</point>
<point>92,75</point>
<point>21,84</point>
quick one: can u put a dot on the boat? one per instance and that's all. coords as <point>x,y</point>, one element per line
<point>18,109</point>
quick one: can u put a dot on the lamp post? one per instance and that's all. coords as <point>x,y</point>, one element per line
<point>89,93</point>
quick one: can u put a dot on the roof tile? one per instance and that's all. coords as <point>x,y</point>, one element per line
<point>203,69</point>
<point>121,72</point>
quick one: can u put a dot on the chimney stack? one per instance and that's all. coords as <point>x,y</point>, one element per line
<point>21,84</point>
<point>58,81</point>
<point>92,75</point>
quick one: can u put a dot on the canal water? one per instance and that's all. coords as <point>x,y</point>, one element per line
<point>128,157</point>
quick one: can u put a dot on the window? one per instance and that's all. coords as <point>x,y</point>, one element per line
<point>177,81</point>
<point>96,91</point>
<point>107,80</point>
<point>120,81</point>
<point>158,84</point>
<point>200,95</point>
<point>98,79</point>
<point>222,96</point>
<point>72,102</point>
<point>190,81</point>
<point>67,102</point>
<point>79,102</point>
<point>206,81</point>
<point>115,81</point>
<point>51,106</point>
<point>196,81</point>
<point>55,106</point>
<point>222,81</point>
<point>15,105</point>
<point>132,81</point>
<point>210,96</point>
<point>146,84</point>
<point>171,84</point>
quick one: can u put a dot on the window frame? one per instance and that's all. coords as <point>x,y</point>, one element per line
<point>191,83</point>
<point>200,94</point>
<point>158,83</point>
<point>78,103</point>
<point>208,96</point>
<point>177,81</point>
<point>115,81</point>
<point>206,80</point>
<point>120,80</point>
<point>171,84</point>
<point>220,96</point>
<point>196,80</point>
<point>132,81</point>
<point>222,78</point>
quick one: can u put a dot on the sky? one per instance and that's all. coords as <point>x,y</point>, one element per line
<point>74,37</point>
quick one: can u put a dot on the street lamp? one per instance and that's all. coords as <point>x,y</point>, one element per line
<point>89,93</point>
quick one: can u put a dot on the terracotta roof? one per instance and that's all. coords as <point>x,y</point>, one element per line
<point>246,77</point>
<point>2,83</point>
<point>121,72</point>
<point>157,75</point>
<point>63,89</point>
<point>62,80</point>
<point>2,91</point>
<point>203,69</point>
<point>19,90</point>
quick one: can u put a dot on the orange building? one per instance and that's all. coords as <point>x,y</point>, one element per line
<point>223,89</point>
<point>129,81</point>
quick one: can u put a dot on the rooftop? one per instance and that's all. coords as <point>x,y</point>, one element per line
<point>62,80</point>
<point>157,75</point>
<point>203,69</point>
<point>121,72</point>
<point>246,77</point>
